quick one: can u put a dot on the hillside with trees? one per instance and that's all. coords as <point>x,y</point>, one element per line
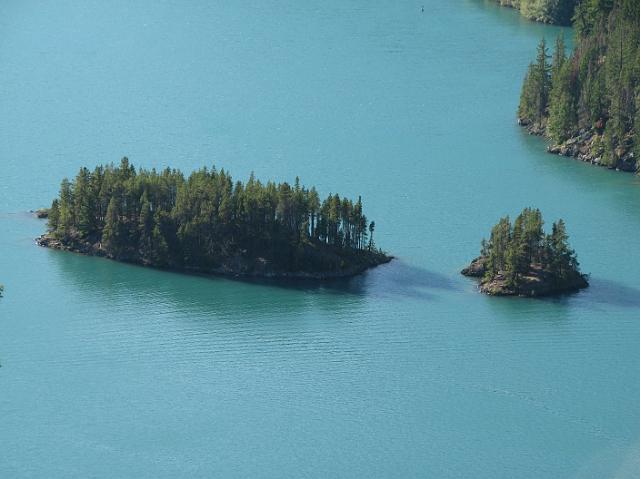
<point>207,223</point>
<point>587,103</point>
<point>558,12</point>
<point>519,259</point>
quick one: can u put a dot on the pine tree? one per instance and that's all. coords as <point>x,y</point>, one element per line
<point>145,227</point>
<point>66,219</point>
<point>111,234</point>
<point>199,222</point>
<point>535,89</point>
<point>54,216</point>
<point>562,110</point>
<point>372,228</point>
<point>84,206</point>
<point>521,250</point>
<point>541,81</point>
<point>498,245</point>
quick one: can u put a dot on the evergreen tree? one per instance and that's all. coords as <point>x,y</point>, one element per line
<point>596,89</point>
<point>536,87</point>
<point>145,227</point>
<point>112,234</point>
<point>84,205</point>
<point>163,219</point>
<point>54,216</point>
<point>517,251</point>
<point>66,219</point>
<point>498,245</point>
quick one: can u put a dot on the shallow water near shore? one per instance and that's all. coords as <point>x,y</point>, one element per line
<point>115,370</point>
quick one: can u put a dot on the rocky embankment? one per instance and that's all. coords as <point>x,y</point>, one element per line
<point>535,283</point>
<point>587,146</point>
<point>236,265</point>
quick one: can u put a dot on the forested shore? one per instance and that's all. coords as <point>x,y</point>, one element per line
<point>587,103</point>
<point>519,259</point>
<point>559,12</point>
<point>207,223</point>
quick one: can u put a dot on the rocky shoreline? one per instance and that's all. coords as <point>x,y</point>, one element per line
<point>587,146</point>
<point>235,266</point>
<point>536,283</point>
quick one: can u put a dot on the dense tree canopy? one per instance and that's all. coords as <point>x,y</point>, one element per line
<point>164,219</point>
<point>515,250</point>
<point>597,88</point>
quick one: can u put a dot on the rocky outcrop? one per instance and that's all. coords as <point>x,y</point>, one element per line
<point>477,268</point>
<point>234,265</point>
<point>536,283</point>
<point>42,213</point>
<point>587,146</point>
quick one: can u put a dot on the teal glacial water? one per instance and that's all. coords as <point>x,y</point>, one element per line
<point>111,370</point>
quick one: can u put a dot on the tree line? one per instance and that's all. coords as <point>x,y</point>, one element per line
<point>166,219</point>
<point>596,88</point>
<point>513,250</point>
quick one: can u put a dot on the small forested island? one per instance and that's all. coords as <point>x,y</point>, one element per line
<point>208,224</point>
<point>521,260</point>
<point>588,104</point>
<point>558,12</point>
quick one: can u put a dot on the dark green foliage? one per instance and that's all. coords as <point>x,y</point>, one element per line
<point>514,251</point>
<point>165,219</point>
<point>598,87</point>
<point>535,91</point>
<point>548,11</point>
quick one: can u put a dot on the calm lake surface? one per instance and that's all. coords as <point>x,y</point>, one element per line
<point>110,370</point>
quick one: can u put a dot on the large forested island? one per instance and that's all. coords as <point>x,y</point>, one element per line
<point>521,260</point>
<point>588,103</point>
<point>208,224</point>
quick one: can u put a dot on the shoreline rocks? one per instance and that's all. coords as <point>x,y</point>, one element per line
<point>235,266</point>
<point>586,147</point>
<point>536,283</point>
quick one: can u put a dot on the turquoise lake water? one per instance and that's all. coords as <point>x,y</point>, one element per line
<point>111,370</point>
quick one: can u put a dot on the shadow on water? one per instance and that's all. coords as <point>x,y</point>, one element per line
<point>397,278</point>
<point>601,295</point>
<point>402,279</point>
<point>611,293</point>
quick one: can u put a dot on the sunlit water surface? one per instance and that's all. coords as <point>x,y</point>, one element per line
<point>110,370</point>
